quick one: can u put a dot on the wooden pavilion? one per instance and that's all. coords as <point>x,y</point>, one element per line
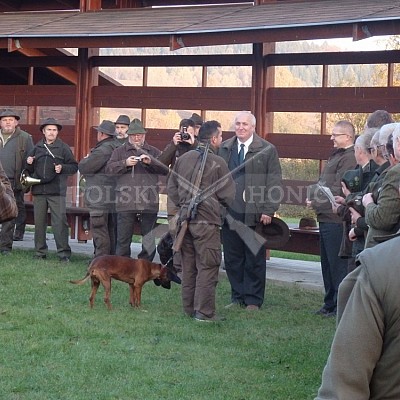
<point>37,74</point>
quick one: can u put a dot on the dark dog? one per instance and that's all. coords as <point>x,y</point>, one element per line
<point>164,249</point>
<point>134,272</point>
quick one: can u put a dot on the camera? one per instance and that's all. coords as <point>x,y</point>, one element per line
<point>184,133</point>
<point>137,159</point>
<point>356,203</point>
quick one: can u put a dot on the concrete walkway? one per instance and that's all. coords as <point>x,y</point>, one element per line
<point>305,274</point>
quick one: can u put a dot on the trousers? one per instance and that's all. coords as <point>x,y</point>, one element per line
<point>125,229</point>
<point>334,268</point>
<point>59,223</point>
<point>201,257</point>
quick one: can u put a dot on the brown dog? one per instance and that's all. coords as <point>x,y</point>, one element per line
<point>134,272</point>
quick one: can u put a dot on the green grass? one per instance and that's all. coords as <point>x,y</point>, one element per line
<point>53,346</point>
<point>294,256</point>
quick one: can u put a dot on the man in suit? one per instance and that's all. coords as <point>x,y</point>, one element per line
<point>256,170</point>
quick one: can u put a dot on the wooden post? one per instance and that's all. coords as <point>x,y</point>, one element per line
<point>84,120</point>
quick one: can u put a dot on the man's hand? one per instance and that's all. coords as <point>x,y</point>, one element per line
<point>340,200</point>
<point>265,219</point>
<point>354,215</point>
<point>145,159</point>
<point>352,235</point>
<point>367,199</point>
<point>132,161</point>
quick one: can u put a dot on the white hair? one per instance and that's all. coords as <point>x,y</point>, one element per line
<point>248,113</point>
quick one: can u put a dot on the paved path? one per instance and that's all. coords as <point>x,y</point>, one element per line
<point>306,274</point>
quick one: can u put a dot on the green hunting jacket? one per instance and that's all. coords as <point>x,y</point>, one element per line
<point>383,217</point>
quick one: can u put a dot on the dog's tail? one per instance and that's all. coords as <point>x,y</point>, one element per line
<point>81,281</point>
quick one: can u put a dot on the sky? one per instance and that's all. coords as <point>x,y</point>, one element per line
<point>370,44</point>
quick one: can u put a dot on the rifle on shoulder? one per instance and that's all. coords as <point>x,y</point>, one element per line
<point>193,204</point>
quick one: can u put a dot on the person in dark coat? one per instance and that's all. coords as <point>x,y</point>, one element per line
<point>14,147</point>
<point>51,161</point>
<point>100,190</point>
<point>183,141</point>
<point>8,205</point>
<point>136,170</point>
<point>258,179</point>
<point>382,211</point>
<point>334,268</point>
<point>201,245</point>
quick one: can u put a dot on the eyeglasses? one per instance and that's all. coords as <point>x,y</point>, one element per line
<point>338,134</point>
<point>375,147</point>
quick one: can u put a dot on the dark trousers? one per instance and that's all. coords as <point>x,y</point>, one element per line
<point>7,228</point>
<point>201,258</point>
<point>246,271</point>
<point>103,232</point>
<point>59,224</point>
<point>334,268</point>
<point>21,217</point>
<point>125,228</point>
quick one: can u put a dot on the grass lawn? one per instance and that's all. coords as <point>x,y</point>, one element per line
<point>53,346</point>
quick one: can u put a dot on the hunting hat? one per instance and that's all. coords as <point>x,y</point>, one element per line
<point>8,112</point>
<point>353,180</point>
<point>50,121</point>
<point>106,127</point>
<point>276,234</point>
<point>136,127</point>
<point>123,120</point>
<point>307,223</point>
<point>196,119</point>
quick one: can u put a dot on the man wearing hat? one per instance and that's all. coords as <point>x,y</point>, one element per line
<point>121,127</point>
<point>14,146</point>
<point>198,122</point>
<point>100,190</point>
<point>51,161</point>
<point>136,169</point>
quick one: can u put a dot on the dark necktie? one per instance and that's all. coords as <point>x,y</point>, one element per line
<point>241,154</point>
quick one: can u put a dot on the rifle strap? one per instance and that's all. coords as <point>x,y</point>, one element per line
<point>199,176</point>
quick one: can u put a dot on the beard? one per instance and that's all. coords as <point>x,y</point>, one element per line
<point>7,131</point>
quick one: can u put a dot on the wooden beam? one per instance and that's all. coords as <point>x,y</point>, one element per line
<point>334,58</point>
<point>343,99</point>
<point>172,61</point>
<point>304,146</point>
<point>19,61</point>
<point>38,95</point>
<point>223,99</point>
<point>91,42</point>
<point>65,72</point>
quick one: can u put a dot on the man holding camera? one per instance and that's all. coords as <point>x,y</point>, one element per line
<point>182,141</point>
<point>136,169</point>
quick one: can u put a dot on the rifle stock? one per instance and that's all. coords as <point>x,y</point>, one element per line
<point>179,236</point>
